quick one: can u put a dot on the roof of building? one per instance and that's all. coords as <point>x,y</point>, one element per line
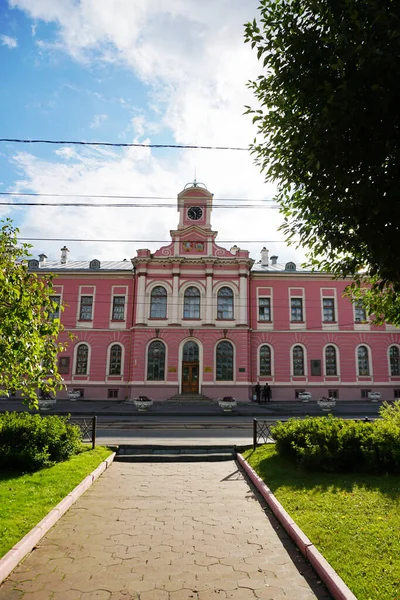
<point>84,265</point>
<point>288,267</point>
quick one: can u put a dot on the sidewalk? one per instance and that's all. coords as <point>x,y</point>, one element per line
<point>166,532</point>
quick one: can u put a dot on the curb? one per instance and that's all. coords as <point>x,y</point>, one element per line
<point>328,575</point>
<point>29,541</point>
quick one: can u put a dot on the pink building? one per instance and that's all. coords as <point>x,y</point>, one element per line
<point>196,318</point>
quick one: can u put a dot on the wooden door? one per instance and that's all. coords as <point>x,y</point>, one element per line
<point>190,377</point>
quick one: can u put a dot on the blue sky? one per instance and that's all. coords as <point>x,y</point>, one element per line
<point>132,71</point>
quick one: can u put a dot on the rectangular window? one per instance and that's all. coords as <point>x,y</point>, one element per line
<point>86,310</point>
<point>396,394</point>
<point>296,308</point>
<point>56,310</point>
<point>333,394</point>
<point>359,312</point>
<point>112,393</point>
<point>364,393</point>
<point>264,309</point>
<point>63,364</point>
<point>329,310</point>
<point>118,310</point>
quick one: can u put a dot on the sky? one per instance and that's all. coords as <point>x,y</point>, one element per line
<point>138,72</point>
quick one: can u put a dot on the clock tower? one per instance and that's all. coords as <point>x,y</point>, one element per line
<point>195,206</point>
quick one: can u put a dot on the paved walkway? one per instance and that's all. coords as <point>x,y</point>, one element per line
<point>157,531</point>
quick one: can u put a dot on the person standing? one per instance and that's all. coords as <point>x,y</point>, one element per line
<point>267,393</point>
<point>258,392</point>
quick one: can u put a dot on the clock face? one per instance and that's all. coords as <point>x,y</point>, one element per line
<point>195,213</point>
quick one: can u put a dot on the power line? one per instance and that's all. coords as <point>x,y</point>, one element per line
<point>122,145</point>
<point>34,239</point>
<point>124,197</point>
<point>130,205</point>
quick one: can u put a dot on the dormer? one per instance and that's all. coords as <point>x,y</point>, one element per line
<point>94,264</point>
<point>290,266</point>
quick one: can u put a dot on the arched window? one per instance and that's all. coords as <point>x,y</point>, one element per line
<point>158,303</point>
<point>330,361</point>
<point>363,360</point>
<point>191,303</point>
<point>82,358</point>
<point>265,360</point>
<point>224,361</point>
<point>394,356</point>
<point>298,361</point>
<point>115,360</point>
<point>190,351</point>
<point>225,303</point>
<point>156,361</point>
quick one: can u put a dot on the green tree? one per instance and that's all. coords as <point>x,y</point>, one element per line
<point>328,125</point>
<point>28,333</point>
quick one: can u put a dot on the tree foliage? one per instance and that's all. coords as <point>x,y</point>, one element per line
<point>28,335</point>
<point>328,124</point>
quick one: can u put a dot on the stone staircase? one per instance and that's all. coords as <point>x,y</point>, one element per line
<point>156,453</point>
<point>191,399</point>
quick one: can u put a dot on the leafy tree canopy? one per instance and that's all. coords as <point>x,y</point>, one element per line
<point>28,333</point>
<point>328,123</point>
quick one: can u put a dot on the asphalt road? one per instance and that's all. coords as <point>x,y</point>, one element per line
<point>197,424</point>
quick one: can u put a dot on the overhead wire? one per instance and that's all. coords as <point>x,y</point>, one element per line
<point>120,144</point>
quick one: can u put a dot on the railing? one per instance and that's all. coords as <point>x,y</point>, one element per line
<point>88,428</point>
<point>262,432</point>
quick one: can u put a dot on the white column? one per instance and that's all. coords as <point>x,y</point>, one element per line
<point>175,299</point>
<point>140,294</point>
<point>242,299</point>
<point>209,299</point>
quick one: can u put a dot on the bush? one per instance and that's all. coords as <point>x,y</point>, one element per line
<point>339,445</point>
<point>32,442</point>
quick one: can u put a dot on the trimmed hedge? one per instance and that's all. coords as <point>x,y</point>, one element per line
<point>32,442</point>
<point>339,445</point>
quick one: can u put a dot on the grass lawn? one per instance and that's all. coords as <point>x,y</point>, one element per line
<point>353,520</point>
<point>26,499</point>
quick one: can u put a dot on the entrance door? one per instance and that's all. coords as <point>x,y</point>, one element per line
<point>190,377</point>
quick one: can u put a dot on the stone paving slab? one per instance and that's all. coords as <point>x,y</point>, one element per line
<point>166,531</point>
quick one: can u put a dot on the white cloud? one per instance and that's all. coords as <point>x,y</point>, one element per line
<point>97,121</point>
<point>8,41</point>
<point>192,57</point>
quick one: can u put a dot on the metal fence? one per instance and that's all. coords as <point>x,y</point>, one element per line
<point>262,432</point>
<point>88,426</point>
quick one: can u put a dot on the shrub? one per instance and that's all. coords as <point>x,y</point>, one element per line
<point>32,442</point>
<point>332,444</point>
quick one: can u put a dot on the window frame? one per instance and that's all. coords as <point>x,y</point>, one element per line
<point>397,358</point>
<point>83,307</point>
<point>117,308</point>
<point>328,309</point>
<point>336,373</point>
<point>155,305</point>
<point>261,374</point>
<point>223,366</point>
<point>77,358</point>
<point>304,361</point>
<point>222,303</point>
<point>163,361</point>
<point>368,359</point>
<point>294,309</point>
<point>110,358</point>
<point>188,306</point>
<point>261,318</point>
